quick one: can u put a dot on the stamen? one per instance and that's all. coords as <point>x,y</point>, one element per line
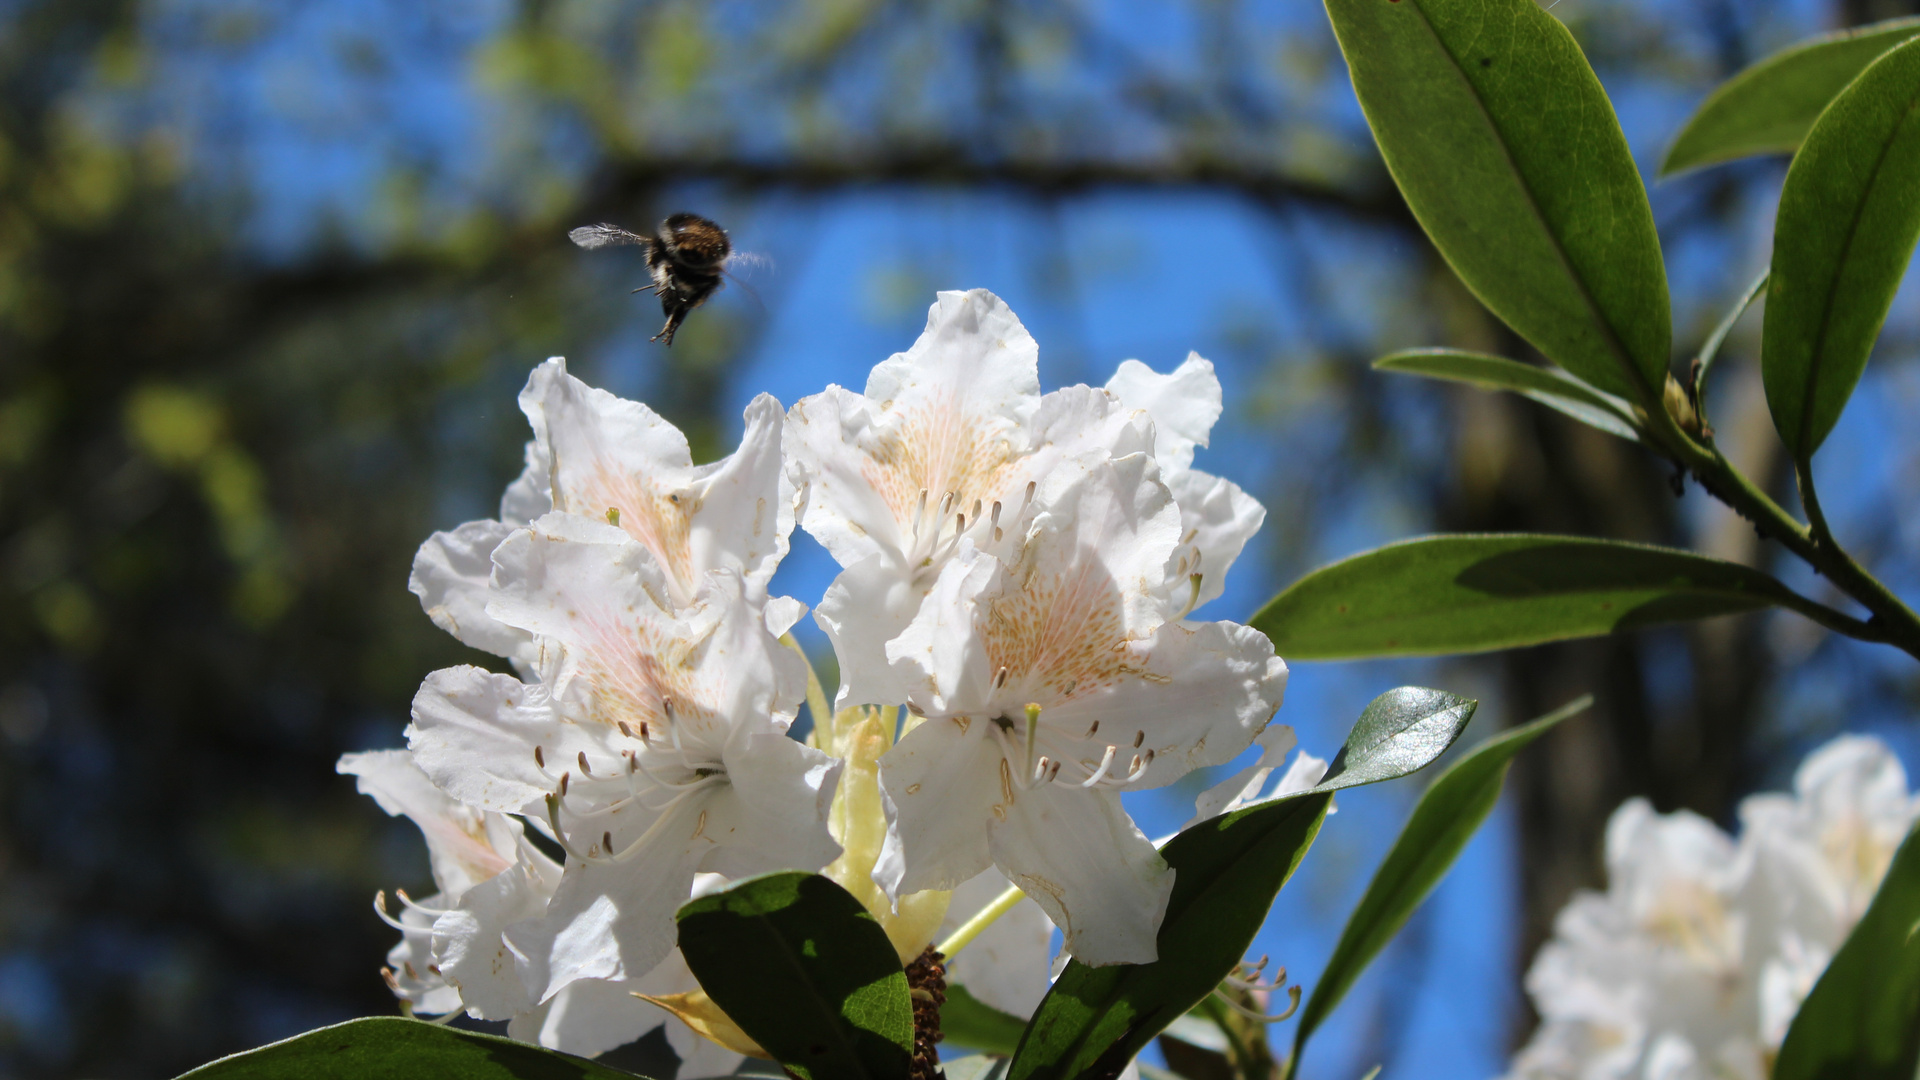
<point>1138,738</point>
<point>1054,773</point>
<point>997,533</point>
<point>380,909</point>
<point>1031,485</point>
<point>613,515</point>
<point>564,777</point>
<point>606,841</point>
<point>625,730</point>
<point>1106,763</point>
<point>419,907</point>
<point>559,834</point>
<point>393,984</point>
<point>1094,728</point>
<point>946,506</point>
<point>915,710</point>
<point>1000,677</point>
<point>975,515</point>
<point>539,758</point>
<point>587,770</point>
<point>995,519</point>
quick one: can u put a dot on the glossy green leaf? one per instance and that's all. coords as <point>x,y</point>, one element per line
<point>1508,153</point>
<point>1435,595</point>
<point>968,1021</point>
<point>1554,389</point>
<point>393,1048</point>
<point>1446,817</point>
<point>1849,216</point>
<point>1862,1019</point>
<point>1227,871</point>
<point>806,971</point>
<point>1769,107</point>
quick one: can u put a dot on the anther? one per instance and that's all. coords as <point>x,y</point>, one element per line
<point>411,973</point>
<point>1054,773</point>
<point>539,758</point>
<point>644,736</point>
<point>997,534</point>
<point>975,515</point>
<point>915,709</point>
<point>563,784</point>
<point>435,968</point>
<point>1031,485</point>
<point>1094,728</point>
<point>1000,677</point>
<point>625,730</point>
<point>959,525</point>
<point>1138,738</point>
<point>606,841</point>
<point>1041,767</point>
<point>613,515</point>
<point>996,513</point>
<point>666,706</point>
<point>393,984</point>
<point>587,770</point>
<point>946,505</point>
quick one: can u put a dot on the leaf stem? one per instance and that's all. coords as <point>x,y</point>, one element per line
<point>1892,622</point>
<point>973,927</point>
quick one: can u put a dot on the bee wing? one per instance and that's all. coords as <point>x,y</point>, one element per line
<point>746,263</point>
<point>603,235</point>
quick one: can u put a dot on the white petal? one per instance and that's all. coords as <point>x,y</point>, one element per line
<point>1078,854</point>
<point>869,604</point>
<point>782,613</point>
<point>450,575</point>
<point>1006,966</point>
<point>1217,519</point>
<point>1275,743</point>
<point>591,1017</point>
<point>780,793</point>
<point>941,660</point>
<point>594,592</point>
<point>474,733</point>
<point>941,785</point>
<point>740,519</point>
<point>947,415</point>
<point>1199,693</point>
<point>464,845</point>
<point>468,944</point>
<point>1184,405</point>
<point>615,921</point>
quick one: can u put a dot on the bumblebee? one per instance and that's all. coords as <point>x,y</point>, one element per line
<point>687,256</point>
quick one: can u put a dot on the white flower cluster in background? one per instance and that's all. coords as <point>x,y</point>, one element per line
<point>1693,962</point>
<point>1018,569</point>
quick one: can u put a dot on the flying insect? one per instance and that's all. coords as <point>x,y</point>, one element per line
<point>687,256</point>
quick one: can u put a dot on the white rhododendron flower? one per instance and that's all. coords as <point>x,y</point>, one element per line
<point>1694,961</point>
<point>1050,677</point>
<point>950,439</point>
<point>654,743</point>
<point>445,960</point>
<point>604,457</point>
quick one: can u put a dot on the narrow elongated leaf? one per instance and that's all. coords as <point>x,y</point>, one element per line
<point>1769,107</point>
<point>1554,389</point>
<point>1508,153</point>
<point>393,1048</point>
<point>1862,1019</point>
<point>1466,593</point>
<point>1227,871</point>
<point>1446,817</point>
<point>968,1021</point>
<point>1849,216</point>
<point>807,972</point>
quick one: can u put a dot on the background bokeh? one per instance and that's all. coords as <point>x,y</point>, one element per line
<point>271,275</point>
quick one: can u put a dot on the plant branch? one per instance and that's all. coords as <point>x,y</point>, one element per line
<point>1892,622</point>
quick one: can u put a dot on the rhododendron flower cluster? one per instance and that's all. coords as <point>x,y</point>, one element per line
<point>1011,625</point>
<point>1694,961</point>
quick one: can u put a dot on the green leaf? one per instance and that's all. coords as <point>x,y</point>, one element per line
<point>1508,153</point>
<point>805,971</point>
<point>1474,592</point>
<point>1227,871</point>
<point>393,1048</point>
<point>1554,389</point>
<point>1447,816</point>
<point>1849,216</point>
<point>965,1020</point>
<point>1862,1019</point>
<point>1768,108</point>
